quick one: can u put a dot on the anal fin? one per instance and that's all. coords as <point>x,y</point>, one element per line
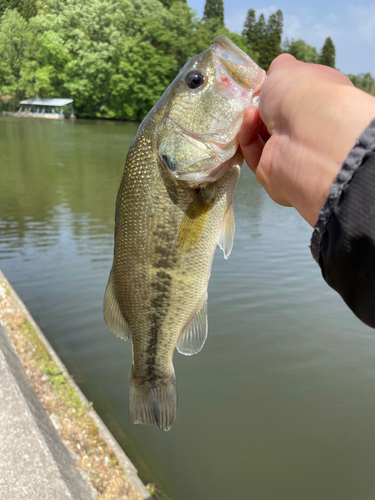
<point>194,336</point>
<point>227,230</point>
<point>112,313</point>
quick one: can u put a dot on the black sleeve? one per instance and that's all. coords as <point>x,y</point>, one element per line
<point>343,242</point>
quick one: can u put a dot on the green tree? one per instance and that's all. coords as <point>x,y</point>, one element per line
<point>254,34</point>
<point>113,57</point>
<point>248,32</point>
<point>302,51</point>
<point>154,54</point>
<point>286,44</point>
<point>260,33</point>
<point>214,9</point>
<point>13,45</point>
<point>43,71</point>
<point>27,8</point>
<point>364,81</point>
<point>116,57</point>
<point>271,45</point>
<point>169,3</point>
<point>328,53</point>
<point>263,38</point>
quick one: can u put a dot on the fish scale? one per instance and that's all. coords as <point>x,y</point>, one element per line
<point>173,207</point>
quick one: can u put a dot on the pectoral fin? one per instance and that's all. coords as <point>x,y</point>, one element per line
<point>112,313</point>
<point>194,336</point>
<point>193,224</point>
<point>227,230</point>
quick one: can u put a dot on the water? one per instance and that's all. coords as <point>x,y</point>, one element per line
<point>280,403</point>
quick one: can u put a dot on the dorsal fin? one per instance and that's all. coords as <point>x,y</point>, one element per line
<point>112,313</point>
<point>194,336</point>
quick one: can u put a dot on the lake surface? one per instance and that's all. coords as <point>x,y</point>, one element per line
<point>280,403</point>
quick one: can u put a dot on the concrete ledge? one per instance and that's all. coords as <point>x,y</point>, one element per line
<point>34,462</point>
<point>54,443</point>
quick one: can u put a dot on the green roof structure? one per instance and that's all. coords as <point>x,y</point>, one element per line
<point>49,108</point>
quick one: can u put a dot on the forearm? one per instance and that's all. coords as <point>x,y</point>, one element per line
<point>344,238</point>
<point>345,120</point>
<point>313,117</point>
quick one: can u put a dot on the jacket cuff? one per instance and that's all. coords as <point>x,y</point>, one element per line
<point>364,145</point>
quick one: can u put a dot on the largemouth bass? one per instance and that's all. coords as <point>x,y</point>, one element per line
<point>173,207</point>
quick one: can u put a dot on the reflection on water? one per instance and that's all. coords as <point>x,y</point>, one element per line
<point>279,405</point>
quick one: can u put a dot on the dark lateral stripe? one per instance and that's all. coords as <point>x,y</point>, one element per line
<point>151,350</point>
<point>160,291</point>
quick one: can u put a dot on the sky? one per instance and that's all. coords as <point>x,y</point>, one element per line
<point>350,24</point>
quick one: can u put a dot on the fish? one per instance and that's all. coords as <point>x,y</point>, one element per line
<point>173,207</point>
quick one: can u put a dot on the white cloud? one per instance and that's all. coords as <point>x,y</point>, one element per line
<point>301,25</point>
<point>292,27</point>
<point>363,22</point>
<point>352,30</point>
<point>313,31</point>
<point>234,21</point>
<point>266,11</point>
<point>351,27</point>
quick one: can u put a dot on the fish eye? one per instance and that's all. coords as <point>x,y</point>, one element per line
<point>194,79</point>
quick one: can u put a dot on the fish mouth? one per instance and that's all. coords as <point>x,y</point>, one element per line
<point>219,137</point>
<point>196,178</point>
<point>238,64</point>
<point>220,155</point>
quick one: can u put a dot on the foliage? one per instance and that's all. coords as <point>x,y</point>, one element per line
<point>13,45</point>
<point>328,53</point>
<point>148,61</point>
<point>302,51</point>
<point>272,42</point>
<point>263,38</point>
<point>27,8</point>
<point>116,57</point>
<point>214,9</point>
<point>169,3</point>
<point>364,81</point>
<point>248,32</point>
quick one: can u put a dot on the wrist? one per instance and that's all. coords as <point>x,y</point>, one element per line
<point>344,116</point>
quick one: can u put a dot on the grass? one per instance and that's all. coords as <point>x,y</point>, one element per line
<point>59,382</point>
<point>69,414</point>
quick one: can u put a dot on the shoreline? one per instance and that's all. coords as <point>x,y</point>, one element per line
<point>92,446</point>
<point>50,116</point>
<point>91,118</point>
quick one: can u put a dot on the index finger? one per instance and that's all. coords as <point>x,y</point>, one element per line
<point>282,61</point>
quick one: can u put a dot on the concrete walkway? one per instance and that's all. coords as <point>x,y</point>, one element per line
<point>34,463</point>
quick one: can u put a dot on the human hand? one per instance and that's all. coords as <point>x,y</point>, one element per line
<point>312,116</point>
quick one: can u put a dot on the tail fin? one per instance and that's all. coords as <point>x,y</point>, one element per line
<point>153,402</point>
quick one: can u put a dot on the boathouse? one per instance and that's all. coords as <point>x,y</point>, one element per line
<point>48,108</point>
